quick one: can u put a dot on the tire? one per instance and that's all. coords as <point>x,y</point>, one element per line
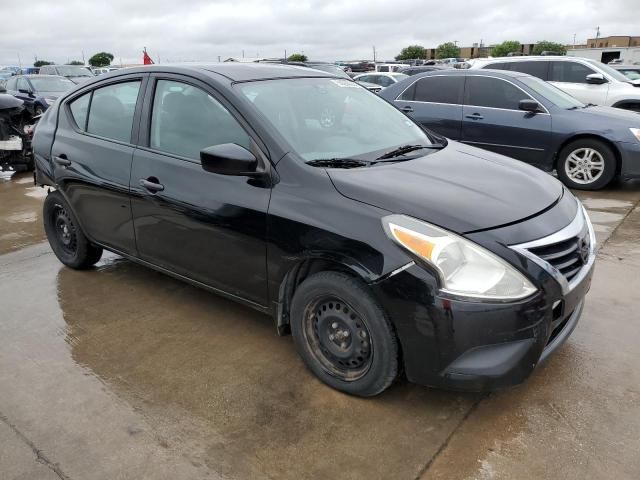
<point>67,240</point>
<point>343,335</point>
<point>585,156</point>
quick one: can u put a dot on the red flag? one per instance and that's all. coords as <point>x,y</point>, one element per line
<point>146,58</point>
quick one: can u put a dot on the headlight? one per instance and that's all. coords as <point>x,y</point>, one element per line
<point>465,268</point>
<point>636,133</point>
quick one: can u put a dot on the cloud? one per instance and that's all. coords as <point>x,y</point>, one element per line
<point>203,30</point>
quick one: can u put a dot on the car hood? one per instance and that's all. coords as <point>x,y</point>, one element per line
<point>460,188</point>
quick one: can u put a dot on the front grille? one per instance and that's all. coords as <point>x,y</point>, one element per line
<point>567,256</point>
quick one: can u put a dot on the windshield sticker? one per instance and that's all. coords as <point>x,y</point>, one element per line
<point>345,83</point>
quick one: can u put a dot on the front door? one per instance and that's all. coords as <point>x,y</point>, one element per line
<point>208,227</point>
<point>572,78</point>
<point>492,120</point>
<point>92,155</point>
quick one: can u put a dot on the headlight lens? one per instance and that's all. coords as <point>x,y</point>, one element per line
<point>465,268</point>
<point>636,133</point>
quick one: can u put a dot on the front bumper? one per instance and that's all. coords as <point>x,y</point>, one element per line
<point>630,159</point>
<point>481,346</point>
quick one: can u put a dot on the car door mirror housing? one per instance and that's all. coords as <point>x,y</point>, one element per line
<point>229,159</point>
<point>596,79</point>
<point>529,105</point>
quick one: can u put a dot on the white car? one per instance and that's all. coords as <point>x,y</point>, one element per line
<point>587,80</point>
<point>390,67</point>
<point>384,79</point>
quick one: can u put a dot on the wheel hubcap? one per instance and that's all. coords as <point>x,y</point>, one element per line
<point>584,165</point>
<point>338,338</point>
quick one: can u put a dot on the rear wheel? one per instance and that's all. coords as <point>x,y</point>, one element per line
<point>586,164</point>
<point>67,241</point>
<point>343,335</point>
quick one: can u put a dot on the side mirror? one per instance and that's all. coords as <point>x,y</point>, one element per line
<point>529,105</point>
<point>596,79</point>
<point>229,159</point>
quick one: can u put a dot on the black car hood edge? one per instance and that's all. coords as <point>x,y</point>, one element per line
<point>460,188</point>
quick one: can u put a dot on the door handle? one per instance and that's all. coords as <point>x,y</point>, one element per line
<point>151,184</point>
<point>407,109</point>
<point>474,116</point>
<point>62,160</point>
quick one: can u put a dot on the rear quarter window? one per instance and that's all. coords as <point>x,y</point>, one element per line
<point>79,109</point>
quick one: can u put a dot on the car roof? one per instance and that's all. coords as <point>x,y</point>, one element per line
<point>35,75</point>
<point>467,72</point>
<point>240,72</point>
<point>527,57</point>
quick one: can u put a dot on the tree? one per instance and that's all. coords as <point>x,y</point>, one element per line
<point>102,59</point>
<point>297,57</point>
<point>40,63</point>
<point>506,47</point>
<point>411,52</point>
<point>75,62</point>
<point>546,46</point>
<point>447,50</point>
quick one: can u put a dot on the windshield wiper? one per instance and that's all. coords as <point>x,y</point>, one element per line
<point>404,149</point>
<point>338,163</point>
<point>590,105</point>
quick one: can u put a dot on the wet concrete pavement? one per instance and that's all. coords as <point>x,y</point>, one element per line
<point>120,372</point>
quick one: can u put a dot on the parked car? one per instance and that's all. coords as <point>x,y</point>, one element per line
<point>28,71</point>
<point>525,118</point>
<point>336,70</point>
<point>422,69</point>
<point>380,246</point>
<point>101,70</point>
<point>632,72</point>
<point>75,73</point>
<point>380,78</point>
<point>38,91</point>
<point>587,80</point>
<point>16,129</point>
<point>390,67</point>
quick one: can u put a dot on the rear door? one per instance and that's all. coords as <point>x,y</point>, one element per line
<point>205,226</point>
<point>493,120</point>
<point>436,103</point>
<point>92,154</point>
<point>571,77</point>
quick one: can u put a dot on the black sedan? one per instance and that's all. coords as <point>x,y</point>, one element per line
<point>526,118</point>
<point>382,248</point>
<point>38,91</point>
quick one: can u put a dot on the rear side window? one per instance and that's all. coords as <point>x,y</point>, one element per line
<point>572,72</point>
<point>492,92</point>
<point>499,66</point>
<point>112,109</point>
<point>535,68</point>
<point>79,110</point>
<point>186,119</point>
<point>439,89</point>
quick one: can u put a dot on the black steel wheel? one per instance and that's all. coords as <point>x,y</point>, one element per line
<point>343,335</point>
<point>65,236</point>
<point>338,338</point>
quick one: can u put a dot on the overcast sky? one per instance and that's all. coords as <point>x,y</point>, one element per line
<point>202,30</point>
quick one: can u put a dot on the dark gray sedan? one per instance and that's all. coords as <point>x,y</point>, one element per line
<point>526,118</point>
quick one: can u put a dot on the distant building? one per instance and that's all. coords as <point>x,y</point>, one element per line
<point>480,51</point>
<point>606,49</point>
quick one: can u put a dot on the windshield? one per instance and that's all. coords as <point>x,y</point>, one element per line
<point>330,69</point>
<point>51,84</point>
<point>631,74</point>
<point>551,93</point>
<point>613,73</point>
<point>324,118</point>
<point>73,71</point>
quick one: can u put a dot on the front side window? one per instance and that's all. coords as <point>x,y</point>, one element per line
<point>185,119</point>
<point>440,89</point>
<point>570,72</point>
<point>112,109</point>
<point>324,118</point>
<point>493,92</point>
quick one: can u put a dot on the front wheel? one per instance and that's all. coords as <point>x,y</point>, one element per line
<point>343,335</point>
<point>66,238</point>
<point>586,164</point>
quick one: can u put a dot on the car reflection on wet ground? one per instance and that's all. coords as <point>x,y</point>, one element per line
<point>120,372</point>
